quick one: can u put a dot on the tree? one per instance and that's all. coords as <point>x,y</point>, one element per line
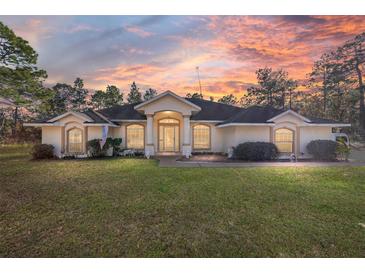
<point>352,59</point>
<point>195,95</point>
<point>228,99</point>
<point>20,79</point>
<point>112,96</point>
<point>62,99</point>
<point>211,98</point>
<point>319,77</point>
<point>79,95</point>
<point>273,88</point>
<point>149,94</point>
<point>97,99</point>
<point>134,96</point>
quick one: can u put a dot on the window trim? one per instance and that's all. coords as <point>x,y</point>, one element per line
<point>293,140</point>
<point>126,135</point>
<point>210,137</point>
<point>68,140</point>
<point>159,124</point>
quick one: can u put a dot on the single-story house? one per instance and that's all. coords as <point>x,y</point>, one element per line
<point>169,123</point>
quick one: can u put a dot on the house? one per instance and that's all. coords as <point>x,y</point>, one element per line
<point>170,123</point>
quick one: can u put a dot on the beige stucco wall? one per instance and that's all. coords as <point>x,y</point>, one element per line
<point>167,103</point>
<point>308,134</point>
<point>222,139</point>
<point>234,135</point>
<point>52,136</point>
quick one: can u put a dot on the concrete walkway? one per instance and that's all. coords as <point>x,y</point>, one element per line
<point>170,161</point>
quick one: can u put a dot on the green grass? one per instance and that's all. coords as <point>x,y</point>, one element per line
<point>133,208</point>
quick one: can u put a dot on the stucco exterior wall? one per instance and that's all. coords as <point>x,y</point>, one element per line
<point>52,136</point>
<point>308,134</point>
<point>234,135</point>
<point>167,103</point>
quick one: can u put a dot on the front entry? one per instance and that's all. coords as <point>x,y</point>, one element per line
<point>168,130</point>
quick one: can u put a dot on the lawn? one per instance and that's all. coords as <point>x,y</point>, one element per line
<point>133,208</point>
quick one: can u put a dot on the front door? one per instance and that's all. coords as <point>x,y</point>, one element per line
<point>169,138</point>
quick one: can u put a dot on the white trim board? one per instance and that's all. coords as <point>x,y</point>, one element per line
<point>289,111</point>
<point>77,114</point>
<point>163,95</point>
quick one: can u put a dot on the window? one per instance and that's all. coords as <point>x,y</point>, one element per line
<point>135,136</point>
<point>168,121</point>
<point>75,140</point>
<point>201,137</point>
<point>284,140</point>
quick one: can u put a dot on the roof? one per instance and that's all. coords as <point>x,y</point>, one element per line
<point>93,116</point>
<point>168,93</point>
<point>210,111</point>
<point>254,114</point>
<point>314,120</point>
<point>213,111</point>
<point>122,112</point>
<point>97,118</point>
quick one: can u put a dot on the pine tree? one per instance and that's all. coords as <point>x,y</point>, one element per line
<point>149,94</point>
<point>79,95</point>
<point>134,96</point>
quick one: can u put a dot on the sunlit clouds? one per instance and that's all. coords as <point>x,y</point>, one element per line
<point>162,52</point>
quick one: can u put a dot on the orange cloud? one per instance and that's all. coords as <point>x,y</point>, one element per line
<point>138,31</point>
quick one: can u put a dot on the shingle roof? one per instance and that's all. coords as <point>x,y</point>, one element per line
<point>122,112</point>
<point>315,120</point>
<point>212,110</point>
<point>96,119</point>
<point>254,114</point>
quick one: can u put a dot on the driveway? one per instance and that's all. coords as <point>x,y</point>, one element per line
<point>357,155</point>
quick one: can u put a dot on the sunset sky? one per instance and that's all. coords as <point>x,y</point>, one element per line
<point>162,51</point>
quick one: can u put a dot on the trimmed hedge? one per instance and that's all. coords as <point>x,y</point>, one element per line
<point>42,151</point>
<point>255,151</point>
<point>322,149</point>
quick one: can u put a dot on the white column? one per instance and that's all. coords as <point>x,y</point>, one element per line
<point>186,137</point>
<point>149,129</point>
<point>149,148</point>
<point>186,140</point>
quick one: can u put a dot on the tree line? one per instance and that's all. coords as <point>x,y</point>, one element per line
<point>334,89</point>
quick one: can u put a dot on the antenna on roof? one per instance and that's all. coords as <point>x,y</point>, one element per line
<point>200,85</point>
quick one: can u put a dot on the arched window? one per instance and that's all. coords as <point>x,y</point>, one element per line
<point>168,121</point>
<point>284,140</point>
<point>74,137</point>
<point>201,137</point>
<point>135,136</point>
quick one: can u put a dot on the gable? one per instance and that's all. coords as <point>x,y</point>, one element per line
<point>288,118</point>
<point>167,101</point>
<point>71,117</point>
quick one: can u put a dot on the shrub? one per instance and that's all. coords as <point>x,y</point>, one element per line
<point>94,149</point>
<point>115,143</point>
<point>322,149</point>
<point>42,151</point>
<point>255,151</point>
<point>342,151</point>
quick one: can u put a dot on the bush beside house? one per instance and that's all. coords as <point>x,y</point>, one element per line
<point>110,148</point>
<point>342,151</point>
<point>327,150</point>
<point>42,151</point>
<point>255,151</point>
